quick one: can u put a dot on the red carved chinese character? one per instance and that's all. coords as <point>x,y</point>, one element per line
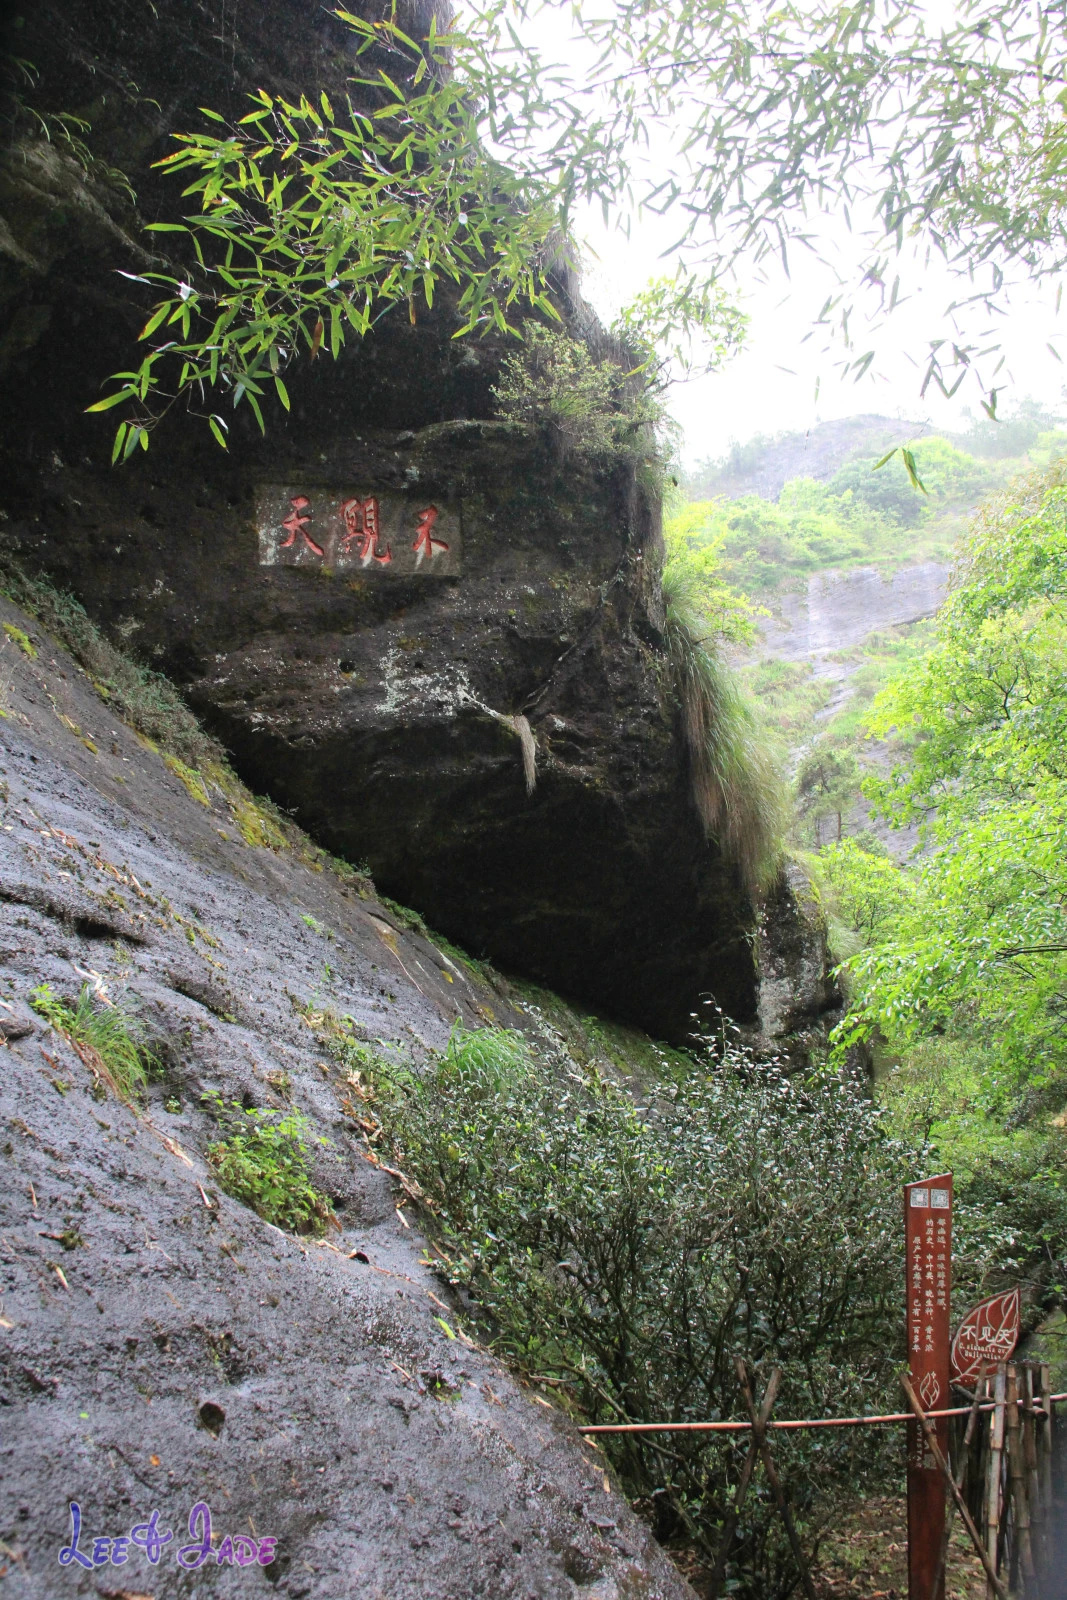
<point>297,522</point>
<point>425,544</point>
<point>363,527</point>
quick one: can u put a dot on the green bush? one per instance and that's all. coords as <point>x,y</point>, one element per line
<point>583,405</point>
<point>262,1161</point>
<point>627,1253</point>
<point>109,1041</point>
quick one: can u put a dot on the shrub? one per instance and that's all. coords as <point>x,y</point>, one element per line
<point>108,1040</point>
<point>554,383</point>
<point>736,775</point>
<point>627,1253</point>
<point>583,405</point>
<point>262,1161</point>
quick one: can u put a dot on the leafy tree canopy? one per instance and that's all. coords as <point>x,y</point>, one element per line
<point>949,131</point>
<point>984,718</point>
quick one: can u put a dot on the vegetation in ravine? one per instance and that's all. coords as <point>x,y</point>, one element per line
<point>958,967</point>
<point>953,960</point>
<point>623,1249</point>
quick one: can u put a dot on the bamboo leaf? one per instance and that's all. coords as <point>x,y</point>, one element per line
<point>113,399</point>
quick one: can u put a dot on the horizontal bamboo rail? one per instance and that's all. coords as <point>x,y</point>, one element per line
<point>799,1422</point>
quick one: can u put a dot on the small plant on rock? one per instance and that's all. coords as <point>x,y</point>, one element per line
<point>107,1039</point>
<point>263,1162</point>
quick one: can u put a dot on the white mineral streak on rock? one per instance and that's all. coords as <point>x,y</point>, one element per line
<point>440,692</point>
<point>448,693</point>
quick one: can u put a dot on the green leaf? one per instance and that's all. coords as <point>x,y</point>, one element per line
<point>216,425</point>
<point>283,393</point>
<point>158,316</point>
<point>913,472</point>
<point>113,399</point>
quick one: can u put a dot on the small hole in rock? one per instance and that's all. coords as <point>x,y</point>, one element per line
<point>212,1417</point>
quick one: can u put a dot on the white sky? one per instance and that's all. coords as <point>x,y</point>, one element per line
<point>771,385</point>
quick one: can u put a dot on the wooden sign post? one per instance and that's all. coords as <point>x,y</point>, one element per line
<point>928,1239</point>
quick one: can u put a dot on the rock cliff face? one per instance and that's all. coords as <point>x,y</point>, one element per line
<point>836,610</point>
<point>391,697</point>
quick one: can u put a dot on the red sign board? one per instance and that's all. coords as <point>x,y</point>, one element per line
<point>989,1332</point>
<point>358,529</point>
<point>928,1239</point>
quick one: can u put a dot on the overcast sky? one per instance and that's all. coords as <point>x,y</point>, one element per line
<point>771,385</point>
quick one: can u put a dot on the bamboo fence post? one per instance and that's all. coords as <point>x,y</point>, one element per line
<point>1023,1553</point>
<point>770,1468</point>
<point>1033,1482</point>
<point>729,1527</point>
<point>994,1474</point>
<point>999,1587</point>
<point>1045,1437</point>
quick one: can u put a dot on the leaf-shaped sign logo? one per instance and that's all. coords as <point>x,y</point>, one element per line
<point>929,1390</point>
<point>989,1332</point>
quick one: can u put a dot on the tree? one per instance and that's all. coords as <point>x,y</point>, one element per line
<point>949,133</point>
<point>827,785</point>
<point>984,716</point>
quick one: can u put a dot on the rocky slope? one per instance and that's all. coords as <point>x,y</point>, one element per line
<point>160,1345</point>
<point>837,610</point>
<point>371,684</point>
<point>765,465</point>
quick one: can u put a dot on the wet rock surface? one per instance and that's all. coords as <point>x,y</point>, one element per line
<point>160,1345</point>
<point>837,610</point>
<point>799,1000</point>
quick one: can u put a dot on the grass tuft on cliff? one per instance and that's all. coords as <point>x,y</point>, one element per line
<point>145,699</point>
<point>736,773</point>
<point>108,1040</point>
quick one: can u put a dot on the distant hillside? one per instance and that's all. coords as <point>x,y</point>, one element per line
<point>766,463</point>
<point>763,465</point>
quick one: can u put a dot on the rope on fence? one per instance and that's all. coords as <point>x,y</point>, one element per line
<point>796,1422</point>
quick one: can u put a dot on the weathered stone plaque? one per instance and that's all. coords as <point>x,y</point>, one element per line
<point>356,528</point>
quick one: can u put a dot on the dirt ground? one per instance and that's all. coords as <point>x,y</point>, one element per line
<point>866,1557</point>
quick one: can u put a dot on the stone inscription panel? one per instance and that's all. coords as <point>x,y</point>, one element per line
<point>356,528</point>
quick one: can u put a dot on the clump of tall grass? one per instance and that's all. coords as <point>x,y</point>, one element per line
<point>738,784</point>
<point>106,1038</point>
<point>145,699</point>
